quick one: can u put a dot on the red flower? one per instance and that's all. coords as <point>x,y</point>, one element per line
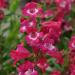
<point>27,69</point>
<point>57,55</point>
<point>47,44</point>
<point>26,24</point>
<point>33,39</point>
<point>52,28</point>
<point>42,64</point>
<point>65,5</point>
<point>19,53</point>
<point>31,10</point>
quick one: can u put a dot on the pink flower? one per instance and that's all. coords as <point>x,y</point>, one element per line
<point>57,55</point>
<point>72,43</point>
<point>19,53</point>
<point>42,64</point>
<point>32,10</point>
<point>27,68</point>
<point>33,39</point>
<point>47,44</point>
<point>29,72</point>
<point>26,24</point>
<point>52,28</point>
<point>64,4</point>
<point>59,15</point>
<point>55,73</point>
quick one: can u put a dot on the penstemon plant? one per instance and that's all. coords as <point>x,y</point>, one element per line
<point>46,48</point>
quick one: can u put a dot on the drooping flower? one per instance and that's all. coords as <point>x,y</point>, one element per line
<point>33,38</point>
<point>48,44</point>
<point>26,24</point>
<point>52,28</point>
<point>32,10</point>
<point>42,64</point>
<point>19,53</point>
<point>64,4</point>
<point>57,55</point>
<point>27,68</point>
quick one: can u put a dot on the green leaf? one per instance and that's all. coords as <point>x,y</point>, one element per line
<point>14,5</point>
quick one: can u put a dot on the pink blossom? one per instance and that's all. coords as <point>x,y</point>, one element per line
<point>57,55</point>
<point>65,5</point>
<point>26,24</point>
<point>42,64</point>
<point>33,38</point>
<point>48,44</point>
<point>52,28</point>
<point>32,10</point>
<point>19,53</point>
<point>27,68</point>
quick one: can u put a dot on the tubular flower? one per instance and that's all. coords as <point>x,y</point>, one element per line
<point>42,64</point>
<point>26,24</point>
<point>32,10</point>
<point>27,68</point>
<point>64,4</point>
<point>19,53</point>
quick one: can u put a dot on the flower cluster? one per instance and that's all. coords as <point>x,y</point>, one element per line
<point>43,29</point>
